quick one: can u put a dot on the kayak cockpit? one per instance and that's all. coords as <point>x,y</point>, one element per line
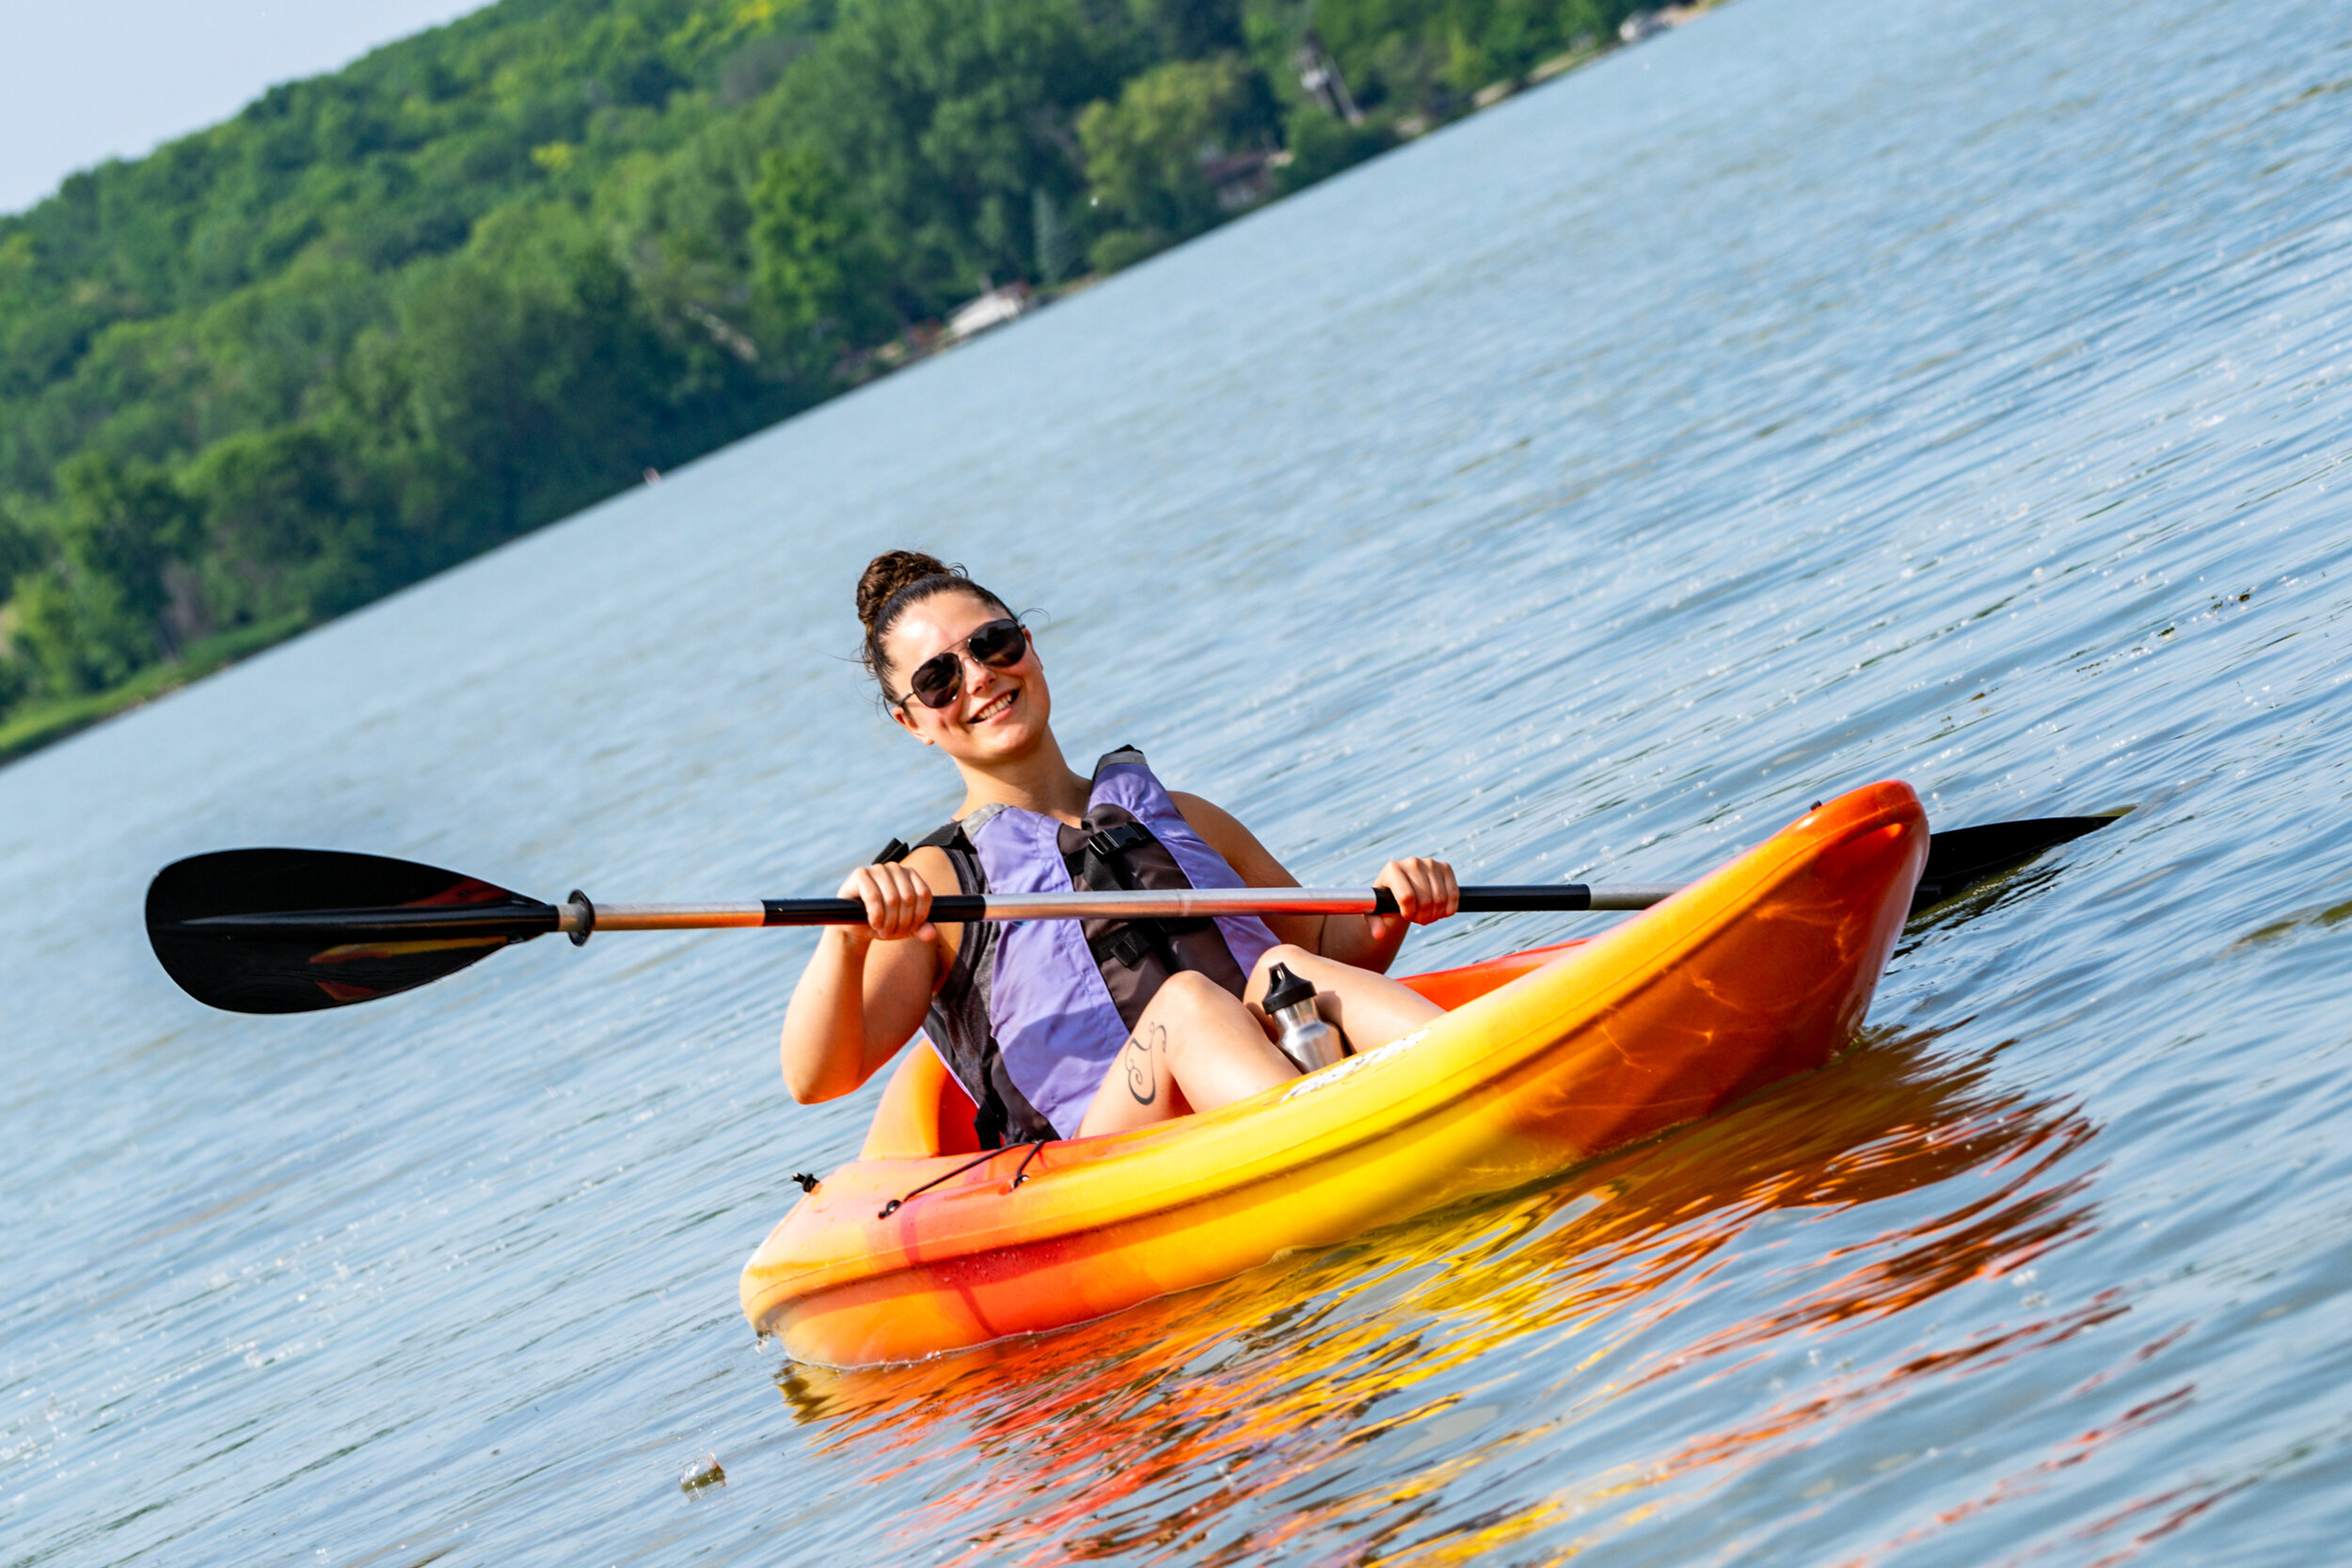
<point>925,1112</point>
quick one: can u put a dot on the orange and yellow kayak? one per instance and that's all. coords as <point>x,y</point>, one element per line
<point>1544,1059</point>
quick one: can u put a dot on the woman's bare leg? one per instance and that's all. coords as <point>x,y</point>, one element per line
<point>1195,1048</point>
<point>1370,1009</point>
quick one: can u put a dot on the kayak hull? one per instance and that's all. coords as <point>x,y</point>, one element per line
<point>1545,1059</point>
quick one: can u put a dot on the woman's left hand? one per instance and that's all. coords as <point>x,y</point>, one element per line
<point>1424,891</point>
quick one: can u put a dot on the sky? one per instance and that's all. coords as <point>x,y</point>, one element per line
<point>82,81</point>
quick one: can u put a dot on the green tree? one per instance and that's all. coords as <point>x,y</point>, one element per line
<point>119,530</point>
<point>74,634</point>
<point>22,551</point>
<point>815,270</point>
<point>283,530</point>
<point>1145,154</point>
<point>519,381</point>
<point>1321,144</point>
<point>943,116</point>
<point>1186,29</point>
<point>21,548</point>
<point>1427,56</point>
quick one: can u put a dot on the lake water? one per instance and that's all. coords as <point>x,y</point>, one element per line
<point>1830,390</point>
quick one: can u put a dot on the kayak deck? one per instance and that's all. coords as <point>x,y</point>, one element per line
<point>1544,1059</point>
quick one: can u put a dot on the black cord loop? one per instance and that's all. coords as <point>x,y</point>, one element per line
<point>896,1203</point>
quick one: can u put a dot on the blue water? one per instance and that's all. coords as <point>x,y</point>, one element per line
<point>1822,392</point>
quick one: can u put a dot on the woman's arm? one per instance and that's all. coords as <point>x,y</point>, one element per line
<point>1424,891</point>
<point>866,987</point>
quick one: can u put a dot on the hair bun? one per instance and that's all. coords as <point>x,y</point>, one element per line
<point>891,571</point>
<point>896,581</point>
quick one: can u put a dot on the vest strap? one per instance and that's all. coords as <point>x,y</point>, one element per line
<point>1125,944</point>
<point>998,1107</point>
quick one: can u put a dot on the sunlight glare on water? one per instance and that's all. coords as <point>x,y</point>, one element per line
<point>1820,392</point>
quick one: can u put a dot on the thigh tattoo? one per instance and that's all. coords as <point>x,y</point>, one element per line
<point>1142,1082</point>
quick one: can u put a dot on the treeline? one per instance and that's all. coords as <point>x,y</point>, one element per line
<point>385,319</point>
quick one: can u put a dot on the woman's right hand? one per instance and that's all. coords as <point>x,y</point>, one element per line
<point>856,1004</point>
<point>898,903</point>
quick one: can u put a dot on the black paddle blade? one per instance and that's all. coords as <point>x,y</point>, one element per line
<point>1962,857</point>
<point>296,930</point>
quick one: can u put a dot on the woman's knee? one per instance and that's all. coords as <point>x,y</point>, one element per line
<point>1317,971</point>
<point>1188,987</point>
<point>1187,997</point>
<point>1289,955</point>
<point>1193,1015</point>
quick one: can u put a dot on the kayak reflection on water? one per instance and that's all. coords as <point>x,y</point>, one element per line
<point>1357,1361</point>
<point>1058,1028</point>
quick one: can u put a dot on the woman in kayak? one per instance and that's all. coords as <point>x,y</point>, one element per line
<point>1055,1027</point>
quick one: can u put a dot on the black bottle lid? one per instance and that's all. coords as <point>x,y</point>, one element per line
<point>1285,989</point>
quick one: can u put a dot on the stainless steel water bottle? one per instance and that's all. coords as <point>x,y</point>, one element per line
<point>1306,1038</point>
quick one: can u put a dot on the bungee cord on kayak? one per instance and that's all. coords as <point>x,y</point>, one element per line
<point>1020,1174</point>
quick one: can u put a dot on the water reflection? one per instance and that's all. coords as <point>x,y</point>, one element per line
<point>1323,1397</point>
<point>1998,893</point>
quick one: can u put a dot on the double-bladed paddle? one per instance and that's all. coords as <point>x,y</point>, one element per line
<point>296,930</point>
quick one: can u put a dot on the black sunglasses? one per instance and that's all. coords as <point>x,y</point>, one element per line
<point>939,679</point>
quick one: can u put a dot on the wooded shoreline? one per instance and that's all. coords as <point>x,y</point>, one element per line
<point>385,318</point>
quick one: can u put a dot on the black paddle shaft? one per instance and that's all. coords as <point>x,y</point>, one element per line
<point>1569,897</point>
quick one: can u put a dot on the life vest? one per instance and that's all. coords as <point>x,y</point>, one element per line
<point>1032,1011</point>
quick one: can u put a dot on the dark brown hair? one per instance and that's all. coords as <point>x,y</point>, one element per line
<point>896,581</point>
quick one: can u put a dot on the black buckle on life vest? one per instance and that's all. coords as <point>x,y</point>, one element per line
<point>1117,840</point>
<point>891,853</point>
<point>1129,944</point>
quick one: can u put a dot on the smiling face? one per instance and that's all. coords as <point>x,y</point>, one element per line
<point>998,715</point>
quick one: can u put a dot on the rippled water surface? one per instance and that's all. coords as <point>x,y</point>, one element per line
<point>1827,391</point>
